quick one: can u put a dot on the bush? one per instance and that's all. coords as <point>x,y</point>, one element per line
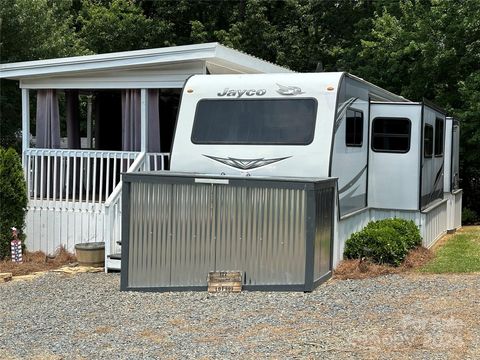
<point>385,241</point>
<point>13,198</point>
<point>469,217</point>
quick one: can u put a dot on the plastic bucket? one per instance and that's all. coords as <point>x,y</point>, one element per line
<point>91,254</point>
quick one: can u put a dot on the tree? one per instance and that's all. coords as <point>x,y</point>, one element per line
<point>470,146</point>
<point>30,30</point>
<point>119,25</point>
<point>432,49</point>
<point>33,30</point>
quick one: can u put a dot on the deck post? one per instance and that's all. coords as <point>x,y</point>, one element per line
<point>25,125</point>
<point>89,122</point>
<point>143,120</point>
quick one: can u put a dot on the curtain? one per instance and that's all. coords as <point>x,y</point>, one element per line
<point>48,120</point>
<point>131,120</point>
<point>73,119</point>
<point>153,121</point>
<point>48,137</point>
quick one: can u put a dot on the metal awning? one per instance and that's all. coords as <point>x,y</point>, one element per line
<point>161,67</point>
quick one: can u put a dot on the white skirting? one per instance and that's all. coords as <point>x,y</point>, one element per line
<point>50,224</point>
<point>433,222</point>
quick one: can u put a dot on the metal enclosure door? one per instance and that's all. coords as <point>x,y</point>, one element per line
<point>168,224</point>
<point>393,176</point>
<point>261,232</point>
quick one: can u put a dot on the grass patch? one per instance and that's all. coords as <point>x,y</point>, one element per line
<point>459,254</point>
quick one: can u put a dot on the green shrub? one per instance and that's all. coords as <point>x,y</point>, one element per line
<point>384,241</point>
<point>469,217</point>
<point>13,198</point>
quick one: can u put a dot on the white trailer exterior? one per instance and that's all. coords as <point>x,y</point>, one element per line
<point>389,154</point>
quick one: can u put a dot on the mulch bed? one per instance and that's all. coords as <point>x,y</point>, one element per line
<point>37,261</point>
<point>347,269</point>
<point>358,269</point>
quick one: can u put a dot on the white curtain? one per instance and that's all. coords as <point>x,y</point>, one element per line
<point>48,120</point>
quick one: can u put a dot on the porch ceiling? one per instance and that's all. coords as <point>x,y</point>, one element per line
<point>175,60</point>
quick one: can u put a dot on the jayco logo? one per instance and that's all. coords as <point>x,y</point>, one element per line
<point>240,93</point>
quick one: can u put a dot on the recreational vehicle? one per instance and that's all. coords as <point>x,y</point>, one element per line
<point>388,156</point>
<point>200,157</point>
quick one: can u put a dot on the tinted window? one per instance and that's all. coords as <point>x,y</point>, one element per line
<point>259,121</point>
<point>428,140</point>
<point>391,135</point>
<point>354,128</point>
<point>439,125</point>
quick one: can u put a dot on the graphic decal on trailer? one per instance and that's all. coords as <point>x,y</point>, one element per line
<point>353,181</point>
<point>245,164</point>
<point>289,90</point>
<point>341,113</point>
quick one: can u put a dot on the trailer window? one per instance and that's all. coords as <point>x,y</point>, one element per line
<point>255,121</point>
<point>428,141</point>
<point>354,128</point>
<point>391,135</point>
<point>439,129</point>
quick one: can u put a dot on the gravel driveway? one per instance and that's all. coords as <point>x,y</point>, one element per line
<point>86,317</point>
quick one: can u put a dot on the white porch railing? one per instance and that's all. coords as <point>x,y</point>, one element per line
<point>113,206</point>
<point>74,175</point>
<point>67,190</point>
<point>113,218</point>
<point>157,161</point>
<point>75,195</point>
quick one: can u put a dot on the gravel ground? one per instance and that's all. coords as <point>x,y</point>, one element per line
<point>397,316</point>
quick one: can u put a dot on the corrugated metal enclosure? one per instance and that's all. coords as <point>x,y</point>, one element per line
<point>178,227</point>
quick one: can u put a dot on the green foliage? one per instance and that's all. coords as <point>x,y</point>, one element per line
<point>384,241</point>
<point>427,48</point>
<point>10,113</point>
<point>460,254</point>
<point>469,216</point>
<point>470,139</point>
<point>117,26</point>
<point>431,49</point>
<point>30,30</point>
<point>13,198</point>
<point>40,29</point>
